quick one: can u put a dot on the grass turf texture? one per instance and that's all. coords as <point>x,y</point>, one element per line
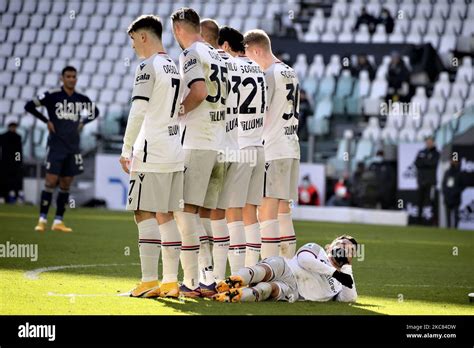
<point>406,270</point>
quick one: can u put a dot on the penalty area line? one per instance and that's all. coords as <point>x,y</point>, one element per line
<point>34,274</point>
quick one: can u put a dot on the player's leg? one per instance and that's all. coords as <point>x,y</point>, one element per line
<point>220,231</point>
<point>287,230</point>
<point>50,183</point>
<point>269,227</point>
<point>199,165</point>
<point>149,246</point>
<point>206,274</point>
<point>61,203</point>
<point>249,212</point>
<point>237,239</point>
<point>170,236</point>
<point>221,242</point>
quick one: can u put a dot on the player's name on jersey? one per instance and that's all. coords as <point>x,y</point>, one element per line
<point>230,125</point>
<point>290,130</point>
<point>250,69</point>
<point>289,74</point>
<point>173,130</point>
<point>252,124</point>
<point>72,110</point>
<point>231,66</point>
<point>217,116</point>
<point>170,69</point>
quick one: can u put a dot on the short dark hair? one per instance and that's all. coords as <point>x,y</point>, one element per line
<point>187,15</point>
<point>233,37</point>
<point>68,68</point>
<point>12,124</point>
<point>149,22</point>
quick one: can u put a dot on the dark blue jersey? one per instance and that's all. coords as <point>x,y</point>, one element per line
<point>66,112</point>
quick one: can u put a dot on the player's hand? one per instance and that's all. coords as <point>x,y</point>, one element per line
<point>80,127</point>
<point>51,127</point>
<point>125,163</point>
<point>344,278</point>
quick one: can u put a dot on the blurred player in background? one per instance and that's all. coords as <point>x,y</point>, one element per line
<point>202,118</point>
<point>68,112</point>
<point>157,162</point>
<point>313,274</point>
<point>282,150</point>
<point>214,223</point>
<point>243,187</point>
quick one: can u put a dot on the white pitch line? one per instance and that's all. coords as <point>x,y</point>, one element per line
<point>79,295</point>
<point>423,286</point>
<point>34,274</point>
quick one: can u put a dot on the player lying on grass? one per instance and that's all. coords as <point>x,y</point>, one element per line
<point>313,274</point>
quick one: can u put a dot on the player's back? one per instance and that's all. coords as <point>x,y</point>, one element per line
<point>281,122</point>
<point>204,127</point>
<point>159,138</point>
<point>230,140</point>
<point>314,286</point>
<point>252,95</point>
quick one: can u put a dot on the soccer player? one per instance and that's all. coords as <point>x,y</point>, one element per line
<point>213,221</point>
<point>157,162</point>
<point>202,121</point>
<point>243,187</point>
<point>282,150</point>
<point>68,112</point>
<point>313,274</point>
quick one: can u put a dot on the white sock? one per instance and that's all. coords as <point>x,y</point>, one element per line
<point>253,244</point>
<point>251,275</point>
<point>270,232</point>
<point>56,221</point>
<point>220,236</point>
<point>171,248</point>
<point>287,236</point>
<point>257,293</point>
<point>189,248</point>
<point>42,219</point>
<point>206,223</point>
<point>149,245</point>
<point>206,275</point>
<point>237,246</point>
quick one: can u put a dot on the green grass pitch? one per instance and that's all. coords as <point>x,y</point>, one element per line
<point>406,270</point>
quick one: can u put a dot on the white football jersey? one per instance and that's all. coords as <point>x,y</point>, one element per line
<point>315,281</point>
<point>157,81</point>
<point>280,131</point>
<point>204,127</point>
<point>252,98</point>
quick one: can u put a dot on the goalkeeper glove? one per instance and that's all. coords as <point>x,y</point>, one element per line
<point>344,278</point>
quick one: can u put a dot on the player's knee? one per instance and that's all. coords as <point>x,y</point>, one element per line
<point>141,215</point>
<point>163,218</point>
<point>268,272</point>
<point>275,290</point>
<point>217,214</point>
<point>284,207</point>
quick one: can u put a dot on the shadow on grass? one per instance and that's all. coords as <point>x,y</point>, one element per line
<point>209,307</point>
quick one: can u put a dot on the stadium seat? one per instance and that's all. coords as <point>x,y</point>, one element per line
<point>423,133</point>
<point>453,105</point>
<point>310,85</point>
<point>372,131</point>
<point>431,121</point>
<point>436,104</point>
<point>361,36</point>
<point>364,150</point>
<point>334,66</point>
<point>394,119</point>
<point>460,90</point>
<point>326,88</point>
<point>389,135</point>
<point>20,78</point>
<point>104,8</point>
<point>407,135</point>
<point>419,102</point>
<point>407,10</point>
<point>317,67</point>
<point>343,90</point>
<point>465,71</point>
<point>412,121</point>
<point>301,66</point>
<point>442,86</point>
<point>380,36</point>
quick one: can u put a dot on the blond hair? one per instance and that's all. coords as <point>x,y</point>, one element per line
<point>257,37</point>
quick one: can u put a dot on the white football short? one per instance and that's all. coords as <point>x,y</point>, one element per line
<point>281,179</point>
